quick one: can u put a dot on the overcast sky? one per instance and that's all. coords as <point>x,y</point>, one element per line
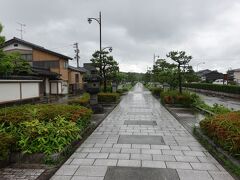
<point>209,30</point>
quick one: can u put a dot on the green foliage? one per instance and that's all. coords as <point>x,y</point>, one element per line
<point>45,128</point>
<point>156,91</point>
<point>42,112</point>
<point>84,100</point>
<point>46,137</point>
<point>6,141</point>
<point>108,97</point>
<point>224,129</point>
<point>216,108</point>
<point>107,66</point>
<point>164,72</point>
<point>182,61</point>
<point>215,87</point>
<point>13,64</point>
<point>186,99</point>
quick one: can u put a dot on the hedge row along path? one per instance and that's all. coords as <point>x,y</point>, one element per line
<point>140,138</point>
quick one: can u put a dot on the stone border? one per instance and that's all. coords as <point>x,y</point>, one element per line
<point>222,156</point>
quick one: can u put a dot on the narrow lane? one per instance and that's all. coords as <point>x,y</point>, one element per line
<point>227,102</point>
<point>140,139</point>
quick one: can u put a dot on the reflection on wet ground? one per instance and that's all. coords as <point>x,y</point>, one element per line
<point>187,117</point>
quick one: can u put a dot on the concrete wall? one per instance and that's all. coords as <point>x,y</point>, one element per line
<point>16,90</point>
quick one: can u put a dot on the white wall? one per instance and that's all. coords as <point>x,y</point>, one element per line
<point>47,86</point>
<point>54,87</point>
<point>9,92</point>
<point>30,90</point>
<point>14,90</point>
<point>20,46</point>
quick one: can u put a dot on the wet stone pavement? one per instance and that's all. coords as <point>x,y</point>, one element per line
<point>121,149</point>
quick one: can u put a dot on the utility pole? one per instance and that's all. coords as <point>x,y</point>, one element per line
<point>21,30</point>
<point>77,57</point>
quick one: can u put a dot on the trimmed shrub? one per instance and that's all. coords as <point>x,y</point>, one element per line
<point>108,97</point>
<point>156,91</point>
<point>174,97</point>
<point>215,87</point>
<point>42,112</point>
<point>84,100</point>
<point>216,108</point>
<point>224,129</point>
<point>6,141</point>
<point>46,137</point>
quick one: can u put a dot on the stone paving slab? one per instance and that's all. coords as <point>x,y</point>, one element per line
<point>141,139</point>
<point>130,122</point>
<point>133,173</point>
<point>117,145</point>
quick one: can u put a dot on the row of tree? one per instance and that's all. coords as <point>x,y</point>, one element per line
<point>172,73</point>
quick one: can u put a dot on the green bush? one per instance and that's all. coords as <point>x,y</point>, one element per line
<point>84,100</point>
<point>46,137</point>
<point>215,87</point>
<point>186,99</point>
<point>108,97</point>
<point>6,141</point>
<point>216,108</point>
<point>224,129</point>
<point>156,91</point>
<point>42,112</point>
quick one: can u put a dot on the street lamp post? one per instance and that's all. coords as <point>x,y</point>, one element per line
<point>99,20</point>
<point>109,48</point>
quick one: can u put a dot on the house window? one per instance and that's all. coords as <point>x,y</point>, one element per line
<point>65,64</point>
<point>27,57</point>
<point>15,45</point>
<point>77,78</point>
<point>46,64</point>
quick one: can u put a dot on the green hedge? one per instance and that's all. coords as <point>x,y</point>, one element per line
<point>84,100</point>
<point>43,128</point>
<point>215,87</point>
<point>174,97</point>
<point>42,112</point>
<point>108,97</point>
<point>156,91</point>
<point>6,141</point>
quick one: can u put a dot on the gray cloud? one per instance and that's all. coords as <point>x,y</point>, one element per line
<point>208,30</point>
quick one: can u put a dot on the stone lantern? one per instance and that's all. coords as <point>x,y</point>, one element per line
<point>166,87</point>
<point>114,87</point>
<point>93,88</point>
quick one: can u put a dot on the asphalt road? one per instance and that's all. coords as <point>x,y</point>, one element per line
<point>227,102</point>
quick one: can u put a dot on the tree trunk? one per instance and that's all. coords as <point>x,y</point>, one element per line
<point>179,79</point>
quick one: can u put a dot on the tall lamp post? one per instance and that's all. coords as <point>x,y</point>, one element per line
<point>109,48</point>
<point>99,20</point>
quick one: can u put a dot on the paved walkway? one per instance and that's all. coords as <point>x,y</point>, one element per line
<point>156,144</point>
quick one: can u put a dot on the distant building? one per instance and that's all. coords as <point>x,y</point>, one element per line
<point>202,74</point>
<point>51,66</point>
<point>234,75</point>
<point>213,75</point>
<point>75,75</point>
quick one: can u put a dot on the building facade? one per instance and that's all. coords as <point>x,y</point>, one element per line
<point>50,65</point>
